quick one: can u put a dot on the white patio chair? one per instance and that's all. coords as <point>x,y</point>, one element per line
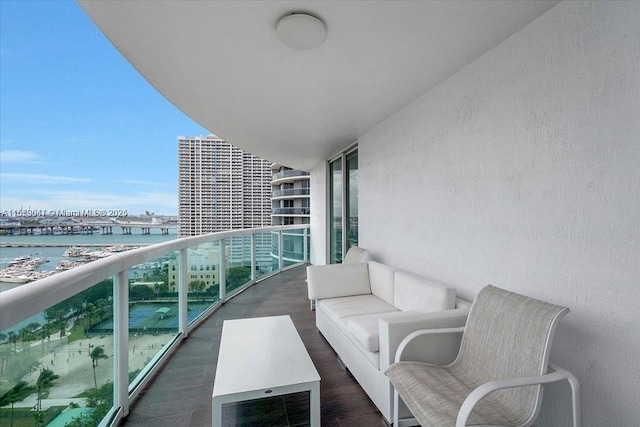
<point>496,378</point>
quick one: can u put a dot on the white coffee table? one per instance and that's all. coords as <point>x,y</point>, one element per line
<point>262,357</point>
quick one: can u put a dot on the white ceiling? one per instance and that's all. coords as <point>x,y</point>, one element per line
<point>221,63</point>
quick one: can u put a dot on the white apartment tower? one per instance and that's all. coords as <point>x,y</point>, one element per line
<point>220,187</point>
<point>290,196</point>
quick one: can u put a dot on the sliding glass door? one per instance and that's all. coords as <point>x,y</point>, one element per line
<point>343,204</point>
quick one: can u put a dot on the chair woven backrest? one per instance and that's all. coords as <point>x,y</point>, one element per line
<point>508,335</point>
<point>356,254</point>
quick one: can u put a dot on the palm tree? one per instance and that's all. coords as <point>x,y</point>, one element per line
<point>3,353</point>
<point>13,338</point>
<point>45,332</point>
<point>97,354</point>
<point>26,335</point>
<point>101,306</point>
<point>16,394</point>
<point>89,310</point>
<point>45,381</point>
<point>58,318</point>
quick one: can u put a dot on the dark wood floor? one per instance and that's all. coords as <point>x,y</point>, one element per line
<point>181,394</point>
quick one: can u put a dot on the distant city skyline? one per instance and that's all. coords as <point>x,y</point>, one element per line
<point>80,129</point>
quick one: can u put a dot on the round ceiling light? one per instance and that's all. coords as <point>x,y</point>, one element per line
<point>301,31</point>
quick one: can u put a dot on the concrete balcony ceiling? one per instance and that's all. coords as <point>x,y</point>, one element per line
<point>222,64</point>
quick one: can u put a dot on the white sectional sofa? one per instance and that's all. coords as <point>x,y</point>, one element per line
<point>365,309</point>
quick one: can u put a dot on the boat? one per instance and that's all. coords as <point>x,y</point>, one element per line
<point>66,265</point>
<point>75,252</point>
<point>20,279</point>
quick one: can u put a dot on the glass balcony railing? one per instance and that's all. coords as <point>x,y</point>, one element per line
<point>291,211</point>
<point>291,192</point>
<point>79,346</point>
<point>289,174</point>
<point>290,247</point>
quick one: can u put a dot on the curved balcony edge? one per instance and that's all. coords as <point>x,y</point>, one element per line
<point>24,301</point>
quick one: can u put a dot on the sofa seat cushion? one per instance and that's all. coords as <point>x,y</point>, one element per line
<point>340,309</point>
<point>365,329</point>
<point>372,357</point>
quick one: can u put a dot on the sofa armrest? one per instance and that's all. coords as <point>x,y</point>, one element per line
<point>435,346</point>
<point>337,280</point>
<point>432,349</point>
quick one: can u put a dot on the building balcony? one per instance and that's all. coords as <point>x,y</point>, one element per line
<point>100,311</point>
<point>288,176</point>
<point>291,211</point>
<point>290,192</point>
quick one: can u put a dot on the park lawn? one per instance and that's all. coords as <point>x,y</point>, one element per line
<point>24,417</point>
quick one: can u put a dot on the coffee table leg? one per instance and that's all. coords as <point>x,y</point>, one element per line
<point>216,413</point>
<point>314,402</point>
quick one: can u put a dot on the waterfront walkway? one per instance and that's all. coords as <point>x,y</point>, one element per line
<point>180,395</point>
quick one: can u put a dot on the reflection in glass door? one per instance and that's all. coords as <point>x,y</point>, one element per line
<point>343,204</point>
<point>351,202</point>
<point>335,211</point>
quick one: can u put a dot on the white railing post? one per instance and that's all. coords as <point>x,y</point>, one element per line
<point>223,271</point>
<point>253,256</point>
<point>280,251</point>
<point>183,274</point>
<point>121,341</point>
<point>305,238</point>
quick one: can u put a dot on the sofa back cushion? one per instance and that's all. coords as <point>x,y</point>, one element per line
<point>414,293</point>
<point>338,280</point>
<point>356,254</point>
<point>381,279</point>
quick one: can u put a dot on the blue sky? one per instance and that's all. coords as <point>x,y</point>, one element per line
<point>79,127</point>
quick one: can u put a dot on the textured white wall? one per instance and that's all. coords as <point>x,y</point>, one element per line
<point>319,214</point>
<point>523,171</point>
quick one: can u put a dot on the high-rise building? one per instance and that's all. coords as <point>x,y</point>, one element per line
<point>220,187</point>
<point>290,196</point>
<point>290,205</point>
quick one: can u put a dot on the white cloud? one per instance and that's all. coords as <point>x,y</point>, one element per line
<point>134,182</point>
<point>40,179</point>
<point>19,156</point>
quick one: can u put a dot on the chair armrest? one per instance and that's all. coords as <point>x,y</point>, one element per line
<point>337,280</point>
<point>559,374</point>
<point>394,329</point>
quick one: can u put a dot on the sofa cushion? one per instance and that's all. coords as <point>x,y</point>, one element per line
<point>340,309</point>
<point>356,254</point>
<point>365,329</point>
<point>381,280</point>
<point>338,280</point>
<point>416,293</point>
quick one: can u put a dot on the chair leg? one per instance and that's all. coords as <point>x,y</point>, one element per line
<point>397,422</point>
<point>575,394</point>
<point>575,400</point>
<point>396,416</point>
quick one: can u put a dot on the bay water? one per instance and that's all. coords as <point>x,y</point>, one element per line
<point>52,247</point>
